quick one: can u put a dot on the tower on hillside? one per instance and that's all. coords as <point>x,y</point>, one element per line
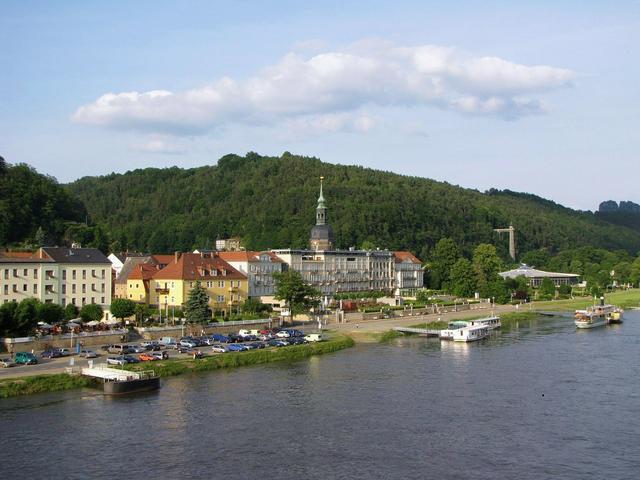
<point>321,233</point>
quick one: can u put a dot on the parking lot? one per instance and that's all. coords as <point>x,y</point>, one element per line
<point>177,348</point>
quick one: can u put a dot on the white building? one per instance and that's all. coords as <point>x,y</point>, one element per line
<point>535,277</point>
<point>259,268</point>
<point>409,273</point>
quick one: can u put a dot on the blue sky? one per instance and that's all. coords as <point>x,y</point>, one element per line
<point>539,97</point>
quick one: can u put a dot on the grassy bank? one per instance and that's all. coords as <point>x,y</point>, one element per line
<point>42,383</point>
<point>168,368</point>
<point>624,299</point>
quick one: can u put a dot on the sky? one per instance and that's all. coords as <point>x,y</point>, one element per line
<point>539,97</point>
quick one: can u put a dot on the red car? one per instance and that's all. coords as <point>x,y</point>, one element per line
<point>146,357</point>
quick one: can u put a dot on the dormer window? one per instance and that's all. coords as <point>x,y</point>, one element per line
<point>224,272</point>
<point>214,273</point>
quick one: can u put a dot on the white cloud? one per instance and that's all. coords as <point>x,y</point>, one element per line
<point>158,144</point>
<point>329,91</point>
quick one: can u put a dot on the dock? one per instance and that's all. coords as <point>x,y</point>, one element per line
<point>425,332</point>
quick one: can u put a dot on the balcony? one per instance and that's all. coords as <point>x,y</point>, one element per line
<point>162,291</point>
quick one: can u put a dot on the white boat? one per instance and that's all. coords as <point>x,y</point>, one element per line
<point>598,316</point>
<point>453,327</point>
<point>491,322</point>
<point>471,333</point>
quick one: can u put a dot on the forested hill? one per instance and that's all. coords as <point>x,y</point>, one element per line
<point>270,202</point>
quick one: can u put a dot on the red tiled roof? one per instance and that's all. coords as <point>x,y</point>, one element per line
<point>163,259</point>
<point>404,256</point>
<point>143,271</point>
<point>193,266</point>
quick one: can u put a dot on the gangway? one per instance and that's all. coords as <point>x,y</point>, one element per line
<point>420,331</point>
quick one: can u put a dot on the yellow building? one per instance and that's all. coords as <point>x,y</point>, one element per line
<point>226,286</point>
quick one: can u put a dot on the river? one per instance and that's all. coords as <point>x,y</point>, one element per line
<point>537,400</point>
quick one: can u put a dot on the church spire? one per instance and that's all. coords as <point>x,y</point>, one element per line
<point>321,197</point>
<point>321,233</point>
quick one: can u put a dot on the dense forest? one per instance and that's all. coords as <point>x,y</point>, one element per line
<point>270,203</point>
<point>34,209</point>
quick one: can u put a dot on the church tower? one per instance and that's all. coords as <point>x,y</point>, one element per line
<point>321,233</point>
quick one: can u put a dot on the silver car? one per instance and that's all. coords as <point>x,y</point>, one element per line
<point>7,362</point>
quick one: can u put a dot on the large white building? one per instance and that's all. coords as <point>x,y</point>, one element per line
<point>77,276</point>
<point>334,271</point>
<point>535,277</point>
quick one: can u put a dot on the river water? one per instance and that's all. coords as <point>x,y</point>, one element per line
<point>537,400</point>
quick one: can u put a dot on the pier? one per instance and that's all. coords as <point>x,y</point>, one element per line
<point>425,332</point>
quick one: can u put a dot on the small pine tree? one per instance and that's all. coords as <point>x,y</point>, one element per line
<point>197,307</point>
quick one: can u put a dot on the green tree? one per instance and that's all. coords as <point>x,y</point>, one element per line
<point>422,296</point>
<point>26,317</point>
<point>255,306</point>
<point>141,311</point>
<point>291,288</point>
<point>547,287</point>
<point>463,278</point>
<point>50,312</point>
<point>122,308</point>
<point>7,318</point>
<point>444,256</point>
<point>71,312</point>
<point>634,275</point>
<point>40,237</point>
<point>622,272</point>
<point>486,264</point>
<point>197,307</point>
<point>91,312</point>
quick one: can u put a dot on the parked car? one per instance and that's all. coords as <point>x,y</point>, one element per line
<point>188,342</point>
<point>131,359</point>
<point>150,345</point>
<point>137,349</point>
<point>120,349</point>
<point>218,348</point>
<point>233,338</point>
<point>7,362</point>
<point>25,358</point>
<point>283,334</point>
<point>51,353</point>
<point>236,347</point>
<point>160,355</point>
<point>167,341</point>
<point>295,333</point>
<point>296,340</point>
<point>276,342</point>
<point>65,352</point>
<point>146,357</point>
<point>257,345</point>
<point>116,360</point>
<point>88,353</point>
<point>313,337</point>
<point>218,337</point>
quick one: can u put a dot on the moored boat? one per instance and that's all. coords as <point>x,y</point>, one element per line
<point>598,315</point>
<point>453,327</point>
<point>471,333</point>
<point>123,382</point>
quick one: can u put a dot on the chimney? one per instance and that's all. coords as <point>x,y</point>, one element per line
<point>176,256</point>
<point>201,254</point>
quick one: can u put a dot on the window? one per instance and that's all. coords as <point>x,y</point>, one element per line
<point>93,300</point>
<point>64,289</point>
<point>84,288</point>
<point>103,274</point>
<point>35,288</point>
<point>172,284</point>
<point>64,302</point>
<point>24,287</point>
<point>102,300</point>
<point>64,274</point>
<point>84,274</point>
<point>73,289</point>
<point>35,273</point>
<point>24,272</point>
<point>102,288</point>
<point>220,298</point>
<point>6,289</point>
<point>73,300</point>
<point>15,272</point>
<point>6,274</point>
<point>221,284</point>
<point>84,301</point>
<point>93,272</point>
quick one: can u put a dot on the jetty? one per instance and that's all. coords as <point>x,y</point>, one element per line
<point>425,332</point>
<point>121,382</point>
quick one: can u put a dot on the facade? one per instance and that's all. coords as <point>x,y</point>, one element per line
<point>259,268</point>
<point>77,276</point>
<point>535,277</point>
<point>409,273</point>
<point>336,271</point>
<point>233,244</point>
<point>117,262</point>
<point>121,283</point>
<point>227,287</point>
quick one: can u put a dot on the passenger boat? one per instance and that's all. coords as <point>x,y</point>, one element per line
<point>598,316</point>
<point>471,333</point>
<point>453,327</point>
<point>491,322</point>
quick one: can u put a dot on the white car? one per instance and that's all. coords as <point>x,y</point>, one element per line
<point>88,353</point>
<point>219,348</point>
<point>313,337</point>
<point>116,361</point>
<point>283,334</point>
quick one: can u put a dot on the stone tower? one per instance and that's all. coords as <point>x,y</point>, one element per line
<point>321,233</point>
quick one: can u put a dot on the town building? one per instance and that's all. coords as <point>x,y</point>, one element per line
<point>535,277</point>
<point>259,268</point>
<point>60,275</point>
<point>121,282</point>
<point>335,271</point>
<point>233,244</point>
<point>227,287</point>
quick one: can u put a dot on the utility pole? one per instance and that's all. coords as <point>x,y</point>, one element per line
<point>512,239</point>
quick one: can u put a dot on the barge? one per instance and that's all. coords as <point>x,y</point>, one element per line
<point>123,382</point>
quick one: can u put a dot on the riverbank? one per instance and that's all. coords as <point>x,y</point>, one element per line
<point>62,381</point>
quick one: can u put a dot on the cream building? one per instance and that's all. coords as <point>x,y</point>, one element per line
<point>259,268</point>
<point>77,276</point>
